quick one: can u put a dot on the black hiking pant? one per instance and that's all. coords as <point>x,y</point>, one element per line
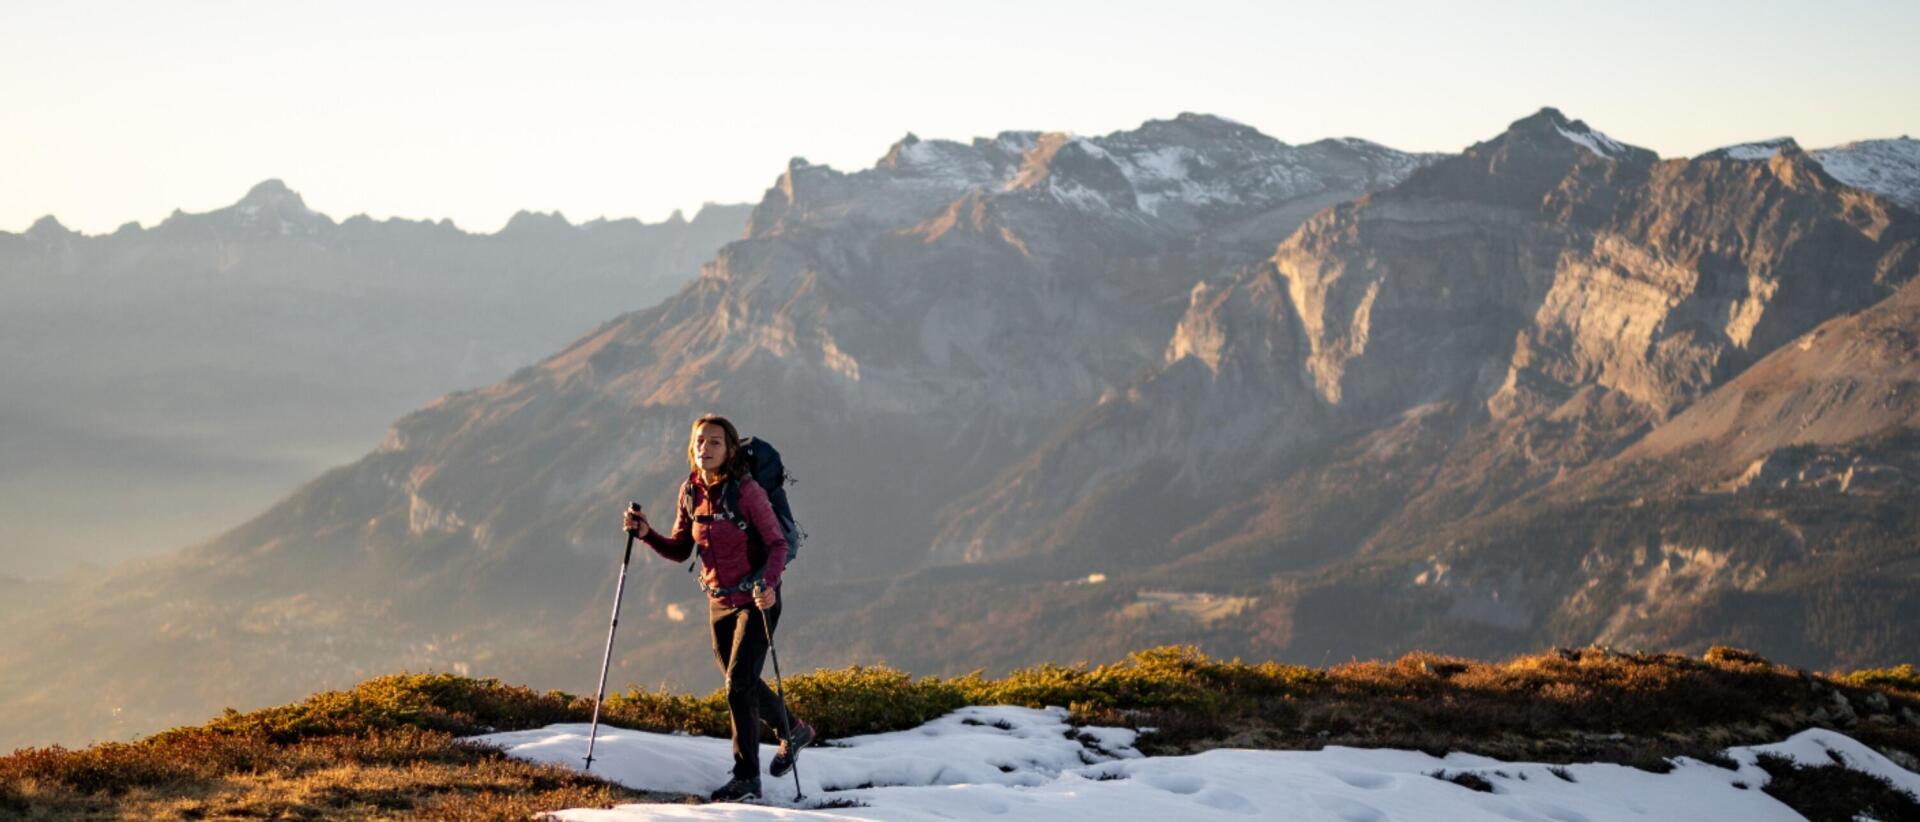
<point>740,646</point>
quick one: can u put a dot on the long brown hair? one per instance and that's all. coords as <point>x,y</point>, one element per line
<point>735,465</point>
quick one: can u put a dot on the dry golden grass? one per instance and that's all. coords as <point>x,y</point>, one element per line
<point>403,774</point>
<point>388,748</point>
<point>1587,704</point>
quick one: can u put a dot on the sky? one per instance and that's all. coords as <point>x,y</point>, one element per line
<point>125,111</point>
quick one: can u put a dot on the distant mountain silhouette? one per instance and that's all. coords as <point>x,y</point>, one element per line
<point>197,370</point>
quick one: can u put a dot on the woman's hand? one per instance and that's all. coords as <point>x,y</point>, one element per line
<point>635,522</point>
<point>764,597</point>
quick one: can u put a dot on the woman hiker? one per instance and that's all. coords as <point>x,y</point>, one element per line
<point>704,520</point>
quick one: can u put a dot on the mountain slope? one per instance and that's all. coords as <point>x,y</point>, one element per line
<point>1346,449</point>
<point>1777,510</point>
<point>1535,300</point>
<point>943,308</point>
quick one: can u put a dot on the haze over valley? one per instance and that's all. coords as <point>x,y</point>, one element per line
<point>161,384</point>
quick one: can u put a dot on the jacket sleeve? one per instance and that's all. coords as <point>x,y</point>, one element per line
<point>679,546</point>
<point>759,511</point>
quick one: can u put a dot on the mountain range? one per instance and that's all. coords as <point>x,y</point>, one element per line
<point>1057,397</point>
<point>198,370</point>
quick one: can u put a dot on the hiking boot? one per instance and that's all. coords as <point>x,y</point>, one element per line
<point>801,737</point>
<point>737,790</point>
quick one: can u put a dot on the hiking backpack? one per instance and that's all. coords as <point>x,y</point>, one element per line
<point>765,467</point>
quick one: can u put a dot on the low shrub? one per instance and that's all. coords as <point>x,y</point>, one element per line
<point>1723,655</point>
<point>1465,779</point>
<point>1900,678</point>
<point>1833,793</point>
<point>1178,677</point>
<point>441,702</point>
<point>662,711</point>
<point>870,699</point>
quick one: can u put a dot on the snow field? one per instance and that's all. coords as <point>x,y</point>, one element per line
<point>1024,764</point>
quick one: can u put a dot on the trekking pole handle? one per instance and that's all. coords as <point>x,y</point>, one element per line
<point>632,533</point>
<point>759,588</point>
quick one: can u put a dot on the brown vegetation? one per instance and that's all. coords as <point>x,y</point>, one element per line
<point>389,748</point>
<point>204,773</point>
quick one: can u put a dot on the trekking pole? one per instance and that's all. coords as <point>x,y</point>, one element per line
<point>619,588</point>
<point>786,712</point>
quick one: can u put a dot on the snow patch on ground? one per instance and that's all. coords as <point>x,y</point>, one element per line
<point>1023,764</point>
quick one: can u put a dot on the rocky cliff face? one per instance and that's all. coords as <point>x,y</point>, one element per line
<point>1554,291</point>
<point>1481,350</point>
<point>1775,510</point>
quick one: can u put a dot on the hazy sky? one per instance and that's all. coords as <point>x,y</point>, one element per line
<point>118,111</point>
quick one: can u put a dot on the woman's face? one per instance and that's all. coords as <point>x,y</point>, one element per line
<point>710,447</point>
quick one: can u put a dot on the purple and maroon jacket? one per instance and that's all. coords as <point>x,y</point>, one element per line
<point>723,548</point>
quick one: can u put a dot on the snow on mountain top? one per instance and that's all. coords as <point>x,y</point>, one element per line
<point>1023,764</point>
<point>1890,168</point>
<point>1163,173</point>
<point>947,165</point>
<point>1592,139</point>
<point>1758,150</point>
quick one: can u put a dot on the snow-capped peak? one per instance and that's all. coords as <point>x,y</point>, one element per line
<point>1755,151</point>
<point>1592,139</point>
<point>1889,168</point>
<point>944,164</point>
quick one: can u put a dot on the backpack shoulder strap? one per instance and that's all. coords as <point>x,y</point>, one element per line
<point>685,514</point>
<point>729,499</point>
